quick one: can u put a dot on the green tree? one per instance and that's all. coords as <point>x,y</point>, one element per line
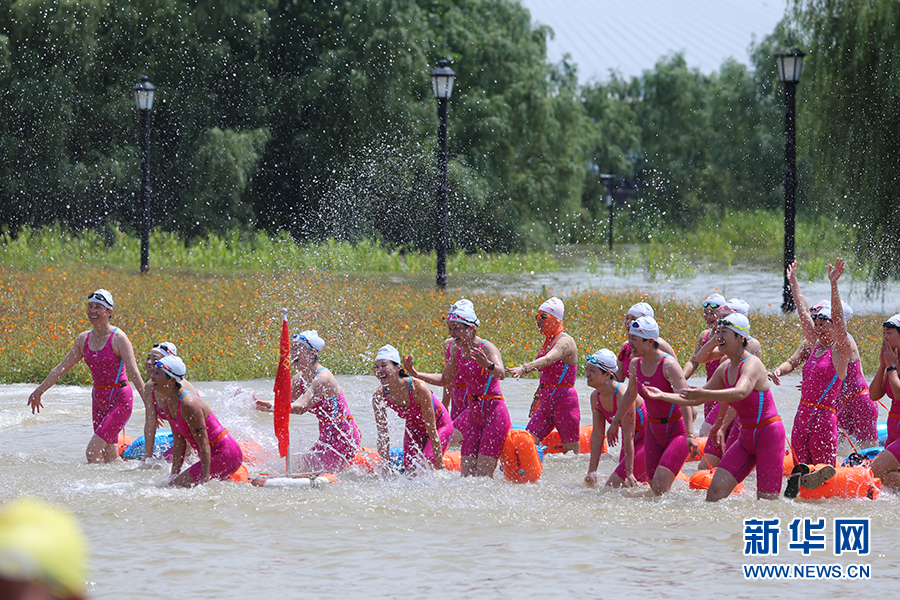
<point>851,118</point>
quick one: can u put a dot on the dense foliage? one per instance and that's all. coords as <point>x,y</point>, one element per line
<point>852,116</point>
<point>316,118</point>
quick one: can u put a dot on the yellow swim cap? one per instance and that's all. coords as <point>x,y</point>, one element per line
<point>43,544</point>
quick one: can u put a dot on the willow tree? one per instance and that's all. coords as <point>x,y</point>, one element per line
<point>852,118</point>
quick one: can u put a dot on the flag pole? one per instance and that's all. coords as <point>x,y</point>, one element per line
<point>282,405</point>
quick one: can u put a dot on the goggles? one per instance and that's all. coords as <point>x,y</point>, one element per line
<point>711,305</point>
<point>820,317</point>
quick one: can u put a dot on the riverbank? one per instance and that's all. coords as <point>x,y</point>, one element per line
<point>227,325</point>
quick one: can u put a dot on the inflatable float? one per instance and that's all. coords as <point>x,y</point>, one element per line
<point>520,460</point>
<point>135,450</point>
<point>554,445</point>
<point>307,480</point>
<point>702,479</point>
<point>848,482</point>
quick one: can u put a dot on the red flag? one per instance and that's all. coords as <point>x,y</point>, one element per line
<point>283,389</point>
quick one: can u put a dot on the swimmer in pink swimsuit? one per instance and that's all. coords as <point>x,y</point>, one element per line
<point>670,432</point>
<point>600,372</point>
<point>556,400</point>
<point>427,424</point>
<point>455,398</point>
<point>709,354</point>
<point>887,464</point>
<point>193,423</point>
<point>641,309</point>
<point>109,355</point>
<point>857,412</point>
<point>826,354</point>
<point>479,365</point>
<point>762,436</point>
<point>153,411</point>
<point>322,396</point>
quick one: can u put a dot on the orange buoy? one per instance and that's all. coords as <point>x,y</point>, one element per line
<point>253,452</point>
<point>520,460</point>
<point>452,461</point>
<point>241,475</point>
<point>124,441</point>
<point>848,482</point>
<point>554,443</point>
<point>702,479</point>
<point>682,476</point>
<point>366,460</point>
<point>788,463</point>
<point>585,438</point>
<point>695,456</point>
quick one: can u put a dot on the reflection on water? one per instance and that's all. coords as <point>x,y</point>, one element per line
<point>760,288</point>
<point>369,538</point>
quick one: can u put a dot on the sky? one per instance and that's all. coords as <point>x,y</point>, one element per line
<point>630,36</point>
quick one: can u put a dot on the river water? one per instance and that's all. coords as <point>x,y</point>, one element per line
<point>762,289</point>
<point>365,537</point>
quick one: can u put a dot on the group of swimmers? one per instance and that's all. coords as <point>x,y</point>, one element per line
<point>641,392</point>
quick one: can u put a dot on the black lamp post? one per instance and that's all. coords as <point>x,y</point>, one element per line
<point>611,181</point>
<point>790,63</point>
<point>143,97</point>
<point>442,84</point>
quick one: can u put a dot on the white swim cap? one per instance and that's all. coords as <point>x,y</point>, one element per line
<point>310,338</point>
<point>641,309</point>
<point>645,327</point>
<point>173,367</point>
<point>166,348</point>
<point>604,359</point>
<point>714,301</point>
<point>553,306</point>
<point>103,297</point>
<point>736,322</point>
<point>463,311</point>
<point>388,352</point>
<point>735,305</point>
<point>825,307</point>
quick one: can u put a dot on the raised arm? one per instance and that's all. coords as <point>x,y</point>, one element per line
<point>842,344</point>
<point>806,322</point>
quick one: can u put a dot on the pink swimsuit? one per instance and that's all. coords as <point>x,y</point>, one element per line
<point>858,413</point>
<point>760,442</point>
<point>484,432</point>
<point>892,444</point>
<point>557,403</point>
<point>339,436</point>
<point>711,409</point>
<point>814,436</point>
<point>225,456</point>
<point>112,396</point>
<point>458,399</point>
<point>639,468</point>
<point>666,442</point>
<point>625,358</point>
<point>416,442</point>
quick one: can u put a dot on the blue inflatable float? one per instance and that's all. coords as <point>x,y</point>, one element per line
<point>163,442</point>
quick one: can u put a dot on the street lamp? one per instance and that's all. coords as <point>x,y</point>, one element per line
<point>442,84</point>
<point>611,181</point>
<point>790,63</point>
<point>143,97</point>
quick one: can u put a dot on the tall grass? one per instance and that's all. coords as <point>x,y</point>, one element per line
<point>226,325</point>
<point>739,238</point>
<point>236,251</point>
